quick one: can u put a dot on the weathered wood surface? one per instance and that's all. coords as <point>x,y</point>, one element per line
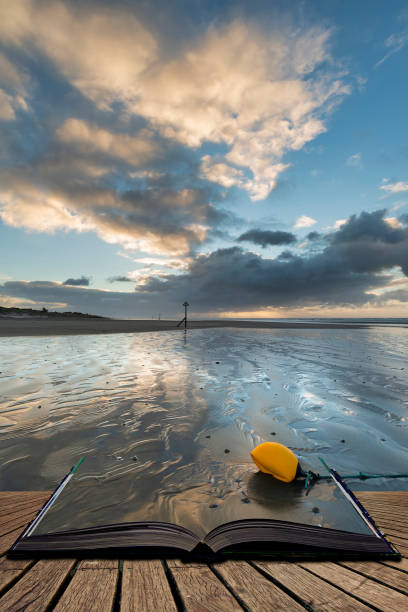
<point>93,587</point>
<point>145,587</point>
<point>170,585</point>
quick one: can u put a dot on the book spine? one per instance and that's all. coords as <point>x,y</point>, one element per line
<point>40,515</point>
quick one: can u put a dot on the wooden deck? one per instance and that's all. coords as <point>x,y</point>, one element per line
<point>169,585</point>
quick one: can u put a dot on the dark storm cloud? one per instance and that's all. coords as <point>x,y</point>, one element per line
<point>267,238</point>
<point>313,236</point>
<point>368,243</point>
<point>369,227</point>
<point>119,279</point>
<point>353,263</point>
<point>83,281</point>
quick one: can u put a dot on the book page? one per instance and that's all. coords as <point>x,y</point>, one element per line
<point>198,497</point>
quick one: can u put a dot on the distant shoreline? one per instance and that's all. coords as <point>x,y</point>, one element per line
<point>63,327</point>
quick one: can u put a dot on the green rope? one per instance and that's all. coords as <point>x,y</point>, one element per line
<point>363,476</point>
<point>311,477</point>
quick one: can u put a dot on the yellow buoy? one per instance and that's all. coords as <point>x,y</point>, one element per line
<point>274,458</point>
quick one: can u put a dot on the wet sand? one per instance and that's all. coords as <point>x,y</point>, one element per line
<point>54,327</point>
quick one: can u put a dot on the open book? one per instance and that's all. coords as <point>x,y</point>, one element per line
<point>330,522</point>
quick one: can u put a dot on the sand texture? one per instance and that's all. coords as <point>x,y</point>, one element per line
<point>51,327</point>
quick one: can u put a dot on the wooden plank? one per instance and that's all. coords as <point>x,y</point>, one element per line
<point>402,564</point>
<point>19,519</point>
<point>386,575</point>
<point>389,522</point>
<point>99,564</point>
<point>8,540</point>
<point>368,590</point>
<point>145,587</point>
<point>36,589</point>
<point>34,504</point>
<point>394,496</point>
<point>10,569</point>
<point>180,563</point>
<point>401,544</point>
<point>256,591</point>
<point>93,587</point>
<point>320,595</point>
<point>21,495</point>
<point>394,533</point>
<point>385,519</point>
<point>201,591</point>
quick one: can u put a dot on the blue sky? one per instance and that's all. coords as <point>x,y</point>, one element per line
<point>155,154</point>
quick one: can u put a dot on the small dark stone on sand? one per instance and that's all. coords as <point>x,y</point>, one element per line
<point>273,433</point>
<point>39,406</point>
<point>134,458</point>
<point>213,506</point>
<point>208,436</point>
<point>217,362</point>
<point>201,387</point>
<point>382,439</point>
<point>246,500</point>
<point>342,441</point>
<point>227,450</point>
<point>315,510</point>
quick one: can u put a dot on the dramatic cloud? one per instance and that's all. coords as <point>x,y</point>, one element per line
<point>304,221</point>
<point>88,138</point>
<point>274,100</point>
<point>346,272</point>
<point>351,270</point>
<point>83,281</point>
<point>159,220</point>
<point>267,238</point>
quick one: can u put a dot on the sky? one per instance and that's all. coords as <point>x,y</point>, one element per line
<point>249,157</point>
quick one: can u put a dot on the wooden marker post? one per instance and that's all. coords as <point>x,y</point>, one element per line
<point>185,316</point>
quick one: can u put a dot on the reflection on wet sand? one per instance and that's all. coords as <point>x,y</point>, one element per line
<point>166,417</point>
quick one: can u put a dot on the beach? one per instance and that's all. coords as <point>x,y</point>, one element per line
<point>42,326</point>
<point>167,411</point>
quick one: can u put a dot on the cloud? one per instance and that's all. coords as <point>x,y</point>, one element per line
<point>83,281</point>
<point>89,138</point>
<point>394,43</point>
<point>13,93</point>
<point>354,160</point>
<point>347,271</point>
<point>392,188</point>
<point>119,279</point>
<point>267,238</point>
<point>352,269</point>
<point>101,50</point>
<point>161,219</point>
<point>6,106</point>
<point>304,221</point>
<point>274,100</point>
